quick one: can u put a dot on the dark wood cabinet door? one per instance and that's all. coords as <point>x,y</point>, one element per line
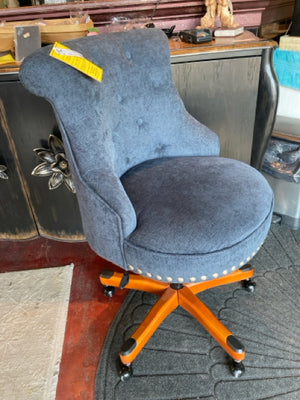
<point>16,218</point>
<point>31,121</point>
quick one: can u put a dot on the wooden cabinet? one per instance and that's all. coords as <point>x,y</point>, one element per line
<point>228,85</point>
<point>16,218</point>
<point>229,110</point>
<point>231,87</point>
<point>30,121</point>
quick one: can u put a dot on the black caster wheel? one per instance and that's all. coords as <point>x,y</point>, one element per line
<point>237,368</point>
<point>109,291</point>
<point>249,285</point>
<point>125,372</point>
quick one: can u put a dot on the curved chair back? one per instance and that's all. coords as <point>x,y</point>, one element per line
<point>134,114</point>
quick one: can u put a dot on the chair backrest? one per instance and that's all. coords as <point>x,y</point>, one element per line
<point>133,115</point>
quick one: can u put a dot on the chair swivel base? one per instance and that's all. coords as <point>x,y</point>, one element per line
<point>170,297</point>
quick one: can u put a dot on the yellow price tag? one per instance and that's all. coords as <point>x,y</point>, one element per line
<point>76,60</point>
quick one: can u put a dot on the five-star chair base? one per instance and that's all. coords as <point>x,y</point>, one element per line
<point>172,295</point>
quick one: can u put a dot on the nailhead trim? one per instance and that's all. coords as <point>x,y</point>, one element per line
<point>193,278</point>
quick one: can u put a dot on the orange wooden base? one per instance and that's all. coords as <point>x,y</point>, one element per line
<point>170,297</point>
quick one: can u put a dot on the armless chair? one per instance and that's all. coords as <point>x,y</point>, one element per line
<point>155,197</point>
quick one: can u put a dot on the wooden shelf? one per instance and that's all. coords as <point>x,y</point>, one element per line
<point>186,13</point>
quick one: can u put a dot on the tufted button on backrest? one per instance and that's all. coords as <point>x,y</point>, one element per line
<point>140,122</point>
<point>120,98</point>
<point>128,55</point>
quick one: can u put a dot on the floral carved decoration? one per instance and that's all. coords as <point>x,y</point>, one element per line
<point>3,175</point>
<point>54,164</point>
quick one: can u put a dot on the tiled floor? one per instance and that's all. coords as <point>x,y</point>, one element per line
<point>90,312</point>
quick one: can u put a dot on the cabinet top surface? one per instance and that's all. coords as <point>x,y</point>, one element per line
<point>245,41</point>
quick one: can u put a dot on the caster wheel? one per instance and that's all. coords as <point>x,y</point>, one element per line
<point>249,285</point>
<point>109,291</point>
<point>125,372</point>
<point>237,369</point>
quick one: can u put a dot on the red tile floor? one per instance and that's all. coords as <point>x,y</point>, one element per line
<point>90,312</point>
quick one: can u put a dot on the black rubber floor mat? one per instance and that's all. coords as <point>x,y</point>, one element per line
<point>182,362</point>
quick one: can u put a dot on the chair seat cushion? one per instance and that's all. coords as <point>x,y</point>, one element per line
<point>197,217</point>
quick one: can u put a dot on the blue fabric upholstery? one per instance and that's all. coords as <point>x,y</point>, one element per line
<point>198,217</point>
<point>154,195</point>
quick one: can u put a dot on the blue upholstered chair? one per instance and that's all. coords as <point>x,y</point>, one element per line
<point>155,197</point>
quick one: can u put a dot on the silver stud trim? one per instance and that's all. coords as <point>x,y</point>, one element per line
<point>193,278</point>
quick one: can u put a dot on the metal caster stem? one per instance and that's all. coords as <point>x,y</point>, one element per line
<point>109,291</point>
<point>237,368</point>
<point>249,285</point>
<point>125,372</point>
